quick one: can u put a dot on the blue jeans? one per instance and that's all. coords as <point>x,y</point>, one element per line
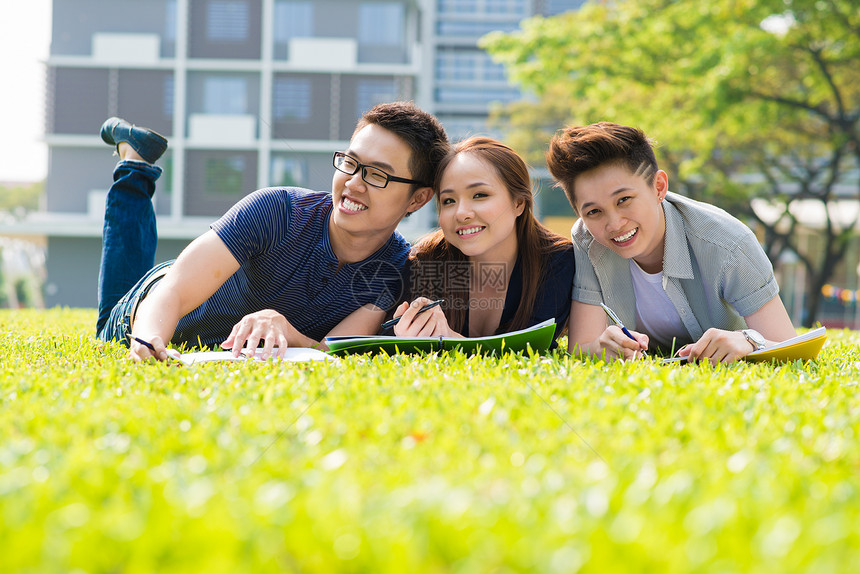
<point>129,239</point>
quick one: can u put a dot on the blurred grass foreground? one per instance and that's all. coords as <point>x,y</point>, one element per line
<point>444,463</point>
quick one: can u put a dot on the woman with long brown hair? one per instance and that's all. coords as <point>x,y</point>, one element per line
<point>495,265</point>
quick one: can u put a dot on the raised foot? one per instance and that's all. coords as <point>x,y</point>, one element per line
<point>148,144</point>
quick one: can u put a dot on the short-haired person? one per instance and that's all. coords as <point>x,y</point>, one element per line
<point>676,271</point>
<point>495,265</point>
<point>283,267</point>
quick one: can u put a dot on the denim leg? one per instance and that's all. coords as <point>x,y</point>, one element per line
<point>129,236</point>
<point>118,324</point>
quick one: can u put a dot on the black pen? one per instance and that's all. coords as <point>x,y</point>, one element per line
<point>618,322</point>
<point>142,342</point>
<point>426,307</point>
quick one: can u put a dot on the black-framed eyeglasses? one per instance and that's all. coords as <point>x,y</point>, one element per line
<point>371,175</point>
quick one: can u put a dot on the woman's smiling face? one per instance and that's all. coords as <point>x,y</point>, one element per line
<point>623,211</point>
<point>476,211</point>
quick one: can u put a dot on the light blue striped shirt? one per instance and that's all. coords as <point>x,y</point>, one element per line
<point>715,272</point>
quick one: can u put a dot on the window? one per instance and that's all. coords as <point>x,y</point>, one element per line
<point>457,6</point>
<point>289,171</point>
<point>554,7</point>
<point>517,7</point>
<point>372,92</point>
<point>292,99</point>
<point>225,95</point>
<point>511,7</point>
<point>453,66</point>
<point>381,24</point>
<point>293,20</point>
<point>228,21</point>
<point>468,66</point>
<point>479,17</point>
<point>475,96</point>
<point>474,28</point>
<point>494,72</point>
<point>223,176</point>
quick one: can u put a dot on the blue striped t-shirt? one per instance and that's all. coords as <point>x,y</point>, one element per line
<point>280,238</point>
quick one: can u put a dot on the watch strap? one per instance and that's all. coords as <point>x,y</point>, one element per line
<point>755,339</point>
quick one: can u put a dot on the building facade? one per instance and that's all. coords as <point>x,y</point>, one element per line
<point>250,93</point>
<point>465,80</point>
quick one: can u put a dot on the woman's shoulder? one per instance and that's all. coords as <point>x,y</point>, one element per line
<point>559,261</point>
<point>560,253</point>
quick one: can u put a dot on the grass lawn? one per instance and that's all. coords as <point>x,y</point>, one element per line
<point>404,464</point>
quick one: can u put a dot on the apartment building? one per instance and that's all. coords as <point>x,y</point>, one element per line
<point>465,80</point>
<point>250,93</point>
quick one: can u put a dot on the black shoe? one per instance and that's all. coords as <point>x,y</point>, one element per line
<point>147,143</point>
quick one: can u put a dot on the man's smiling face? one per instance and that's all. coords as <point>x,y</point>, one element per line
<point>360,208</point>
<point>622,211</point>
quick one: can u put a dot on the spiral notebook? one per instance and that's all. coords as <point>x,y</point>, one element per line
<point>804,347</point>
<point>538,338</point>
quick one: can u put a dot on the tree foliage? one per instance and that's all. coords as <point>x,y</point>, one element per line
<point>746,98</point>
<point>21,198</point>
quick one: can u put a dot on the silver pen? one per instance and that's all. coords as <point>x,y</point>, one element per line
<point>618,322</point>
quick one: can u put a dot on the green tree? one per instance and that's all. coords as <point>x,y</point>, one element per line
<point>19,199</point>
<point>747,98</point>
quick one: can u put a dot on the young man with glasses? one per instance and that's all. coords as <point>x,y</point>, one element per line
<point>283,267</point>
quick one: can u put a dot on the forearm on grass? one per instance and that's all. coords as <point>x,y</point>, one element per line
<point>159,313</point>
<point>198,272</point>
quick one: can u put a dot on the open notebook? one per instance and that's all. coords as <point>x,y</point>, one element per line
<point>538,337</point>
<point>804,347</point>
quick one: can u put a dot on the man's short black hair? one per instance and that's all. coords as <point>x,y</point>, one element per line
<point>421,131</point>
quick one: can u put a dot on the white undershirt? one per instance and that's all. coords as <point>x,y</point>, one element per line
<point>656,316</point>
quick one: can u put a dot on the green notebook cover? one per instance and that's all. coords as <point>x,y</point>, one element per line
<point>538,337</point>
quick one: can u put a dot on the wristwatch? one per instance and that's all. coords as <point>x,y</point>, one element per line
<point>755,338</point>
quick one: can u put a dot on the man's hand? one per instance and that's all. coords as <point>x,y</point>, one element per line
<point>268,326</point>
<point>718,346</point>
<point>140,352</point>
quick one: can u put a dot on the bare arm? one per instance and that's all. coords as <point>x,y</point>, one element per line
<point>199,271</point>
<point>363,321</point>
<point>772,321</point>
<point>589,335</point>
<point>718,345</point>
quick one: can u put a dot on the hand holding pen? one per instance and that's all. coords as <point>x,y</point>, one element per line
<point>426,307</point>
<point>615,319</point>
<point>149,345</point>
<point>415,321</point>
